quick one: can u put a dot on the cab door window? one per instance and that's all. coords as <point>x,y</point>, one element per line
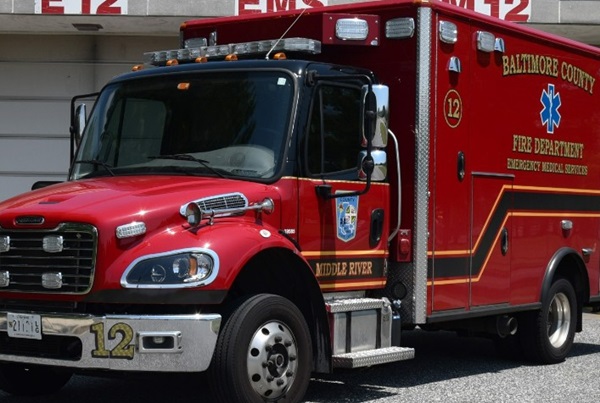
<point>334,134</point>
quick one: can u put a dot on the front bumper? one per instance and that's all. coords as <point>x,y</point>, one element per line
<point>153,343</point>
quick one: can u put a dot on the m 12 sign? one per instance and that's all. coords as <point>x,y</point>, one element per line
<point>509,10</point>
<point>244,7</point>
<point>85,7</point>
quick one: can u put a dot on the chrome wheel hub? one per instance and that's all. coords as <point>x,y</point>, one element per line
<point>272,360</point>
<point>559,320</point>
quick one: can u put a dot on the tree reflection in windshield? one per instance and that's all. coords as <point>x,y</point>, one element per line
<point>235,122</point>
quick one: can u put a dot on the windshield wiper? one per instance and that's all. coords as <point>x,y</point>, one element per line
<point>95,163</point>
<point>187,157</point>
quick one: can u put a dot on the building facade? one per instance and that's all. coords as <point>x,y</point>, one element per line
<point>53,50</point>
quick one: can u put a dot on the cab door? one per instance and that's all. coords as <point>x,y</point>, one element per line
<point>342,235</point>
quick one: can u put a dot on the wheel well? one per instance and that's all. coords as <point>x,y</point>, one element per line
<point>279,271</point>
<point>568,264</point>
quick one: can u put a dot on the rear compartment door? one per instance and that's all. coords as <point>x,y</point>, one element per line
<point>449,249</point>
<point>490,238</point>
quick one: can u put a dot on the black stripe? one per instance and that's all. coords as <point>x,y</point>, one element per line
<point>522,200</point>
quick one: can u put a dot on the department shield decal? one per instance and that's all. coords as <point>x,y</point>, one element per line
<point>347,217</point>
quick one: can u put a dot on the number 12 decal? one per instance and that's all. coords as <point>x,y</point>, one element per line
<point>453,108</point>
<point>123,349</point>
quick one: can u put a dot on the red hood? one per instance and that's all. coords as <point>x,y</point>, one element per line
<point>119,200</point>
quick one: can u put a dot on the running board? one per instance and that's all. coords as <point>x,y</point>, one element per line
<point>377,356</point>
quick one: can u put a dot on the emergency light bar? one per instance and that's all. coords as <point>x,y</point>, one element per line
<point>258,48</point>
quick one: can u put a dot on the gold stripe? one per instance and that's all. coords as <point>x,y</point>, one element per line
<point>332,286</point>
<point>557,190</point>
<point>337,253</point>
<point>534,214</point>
<point>448,282</point>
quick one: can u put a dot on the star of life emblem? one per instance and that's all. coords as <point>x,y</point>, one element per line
<point>550,115</point>
<point>347,217</point>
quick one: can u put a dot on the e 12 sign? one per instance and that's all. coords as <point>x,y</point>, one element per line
<point>84,7</point>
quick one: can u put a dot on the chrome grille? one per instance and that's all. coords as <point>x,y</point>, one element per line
<point>24,261</point>
<point>223,202</point>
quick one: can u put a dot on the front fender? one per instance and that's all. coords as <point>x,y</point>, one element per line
<point>237,244</point>
<point>234,243</point>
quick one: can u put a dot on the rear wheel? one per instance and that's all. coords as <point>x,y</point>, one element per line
<point>31,380</point>
<point>263,353</point>
<point>549,333</point>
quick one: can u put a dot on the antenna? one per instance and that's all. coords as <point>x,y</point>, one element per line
<point>285,33</point>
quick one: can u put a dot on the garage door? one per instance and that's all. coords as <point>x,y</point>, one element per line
<point>38,77</point>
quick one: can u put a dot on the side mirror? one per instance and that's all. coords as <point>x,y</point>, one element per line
<point>376,125</point>
<point>80,118</point>
<point>369,114</point>
<point>377,165</point>
<point>373,160</point>
<point>382,95</point>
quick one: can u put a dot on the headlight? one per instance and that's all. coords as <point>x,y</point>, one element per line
<point>190,268</point>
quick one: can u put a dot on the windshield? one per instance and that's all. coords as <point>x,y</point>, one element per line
<point>230,124</point>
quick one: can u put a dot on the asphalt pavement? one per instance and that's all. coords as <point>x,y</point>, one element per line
<point>447,368</point>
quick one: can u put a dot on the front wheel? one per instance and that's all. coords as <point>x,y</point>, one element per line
<point>31,380</point>
<point>548,334</point>
<point>263,353</point>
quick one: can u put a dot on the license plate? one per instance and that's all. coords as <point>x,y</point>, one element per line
<point>24,326</point>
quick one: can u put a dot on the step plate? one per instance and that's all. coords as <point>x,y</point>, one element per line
<point>373,357</point>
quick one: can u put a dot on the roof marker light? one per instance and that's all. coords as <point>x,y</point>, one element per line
<point>499,45</point>
<point>195,43</point>
<point>485,41</point>
<point>188,55</point>
<point>448,32</point>
<point>400,28</point>
<point>454,65</point>
<point>351,29</point>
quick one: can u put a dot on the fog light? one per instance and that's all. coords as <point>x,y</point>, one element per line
<point>160,342</point>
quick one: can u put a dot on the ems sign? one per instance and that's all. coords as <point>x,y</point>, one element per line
<point>244,7</point>
<point>85,7</point>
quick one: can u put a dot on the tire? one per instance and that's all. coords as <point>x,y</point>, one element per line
<point>31,380</point>
<point>263,353</point>
<point>548,334</point>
